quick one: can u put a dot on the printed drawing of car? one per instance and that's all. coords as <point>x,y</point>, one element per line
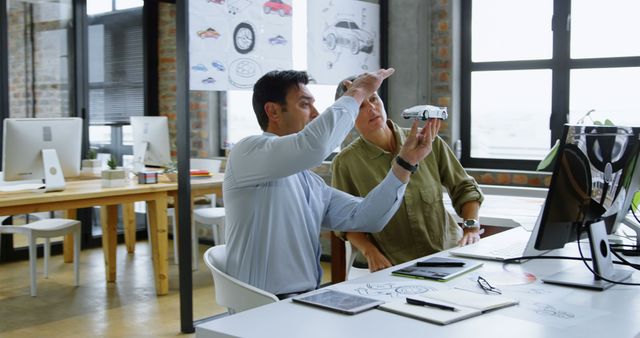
<point>199,67</point>
<point>218,65</point>
<point>208,33</point>
<point>219,2</point>
<point>237,6</point>
<point>346,33</point>
<point>209,80</point>
<point>278,40</point>
<point>277,6</point>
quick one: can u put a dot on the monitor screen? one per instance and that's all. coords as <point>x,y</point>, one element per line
<point>595,176</point>
<point>151,140</point>
<point>25,138</point>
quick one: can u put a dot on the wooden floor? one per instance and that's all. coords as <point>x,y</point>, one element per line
<point>127,308</point>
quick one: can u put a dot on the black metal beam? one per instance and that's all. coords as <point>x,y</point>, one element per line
<point>184,152</point>
<point>4,68</point>
<point>150,33</point>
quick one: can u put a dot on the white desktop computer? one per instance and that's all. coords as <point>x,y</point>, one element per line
<point>150,141</point>
<point>48,149</point>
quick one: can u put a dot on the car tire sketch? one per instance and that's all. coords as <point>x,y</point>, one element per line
<point>244,72</point>
<point>331,41</point>
<point>244,38</point>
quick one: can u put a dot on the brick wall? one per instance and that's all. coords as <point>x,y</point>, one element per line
<point>200,103</point>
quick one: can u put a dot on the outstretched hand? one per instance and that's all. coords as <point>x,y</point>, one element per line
<point>366,84</point>
<point>419,143</point>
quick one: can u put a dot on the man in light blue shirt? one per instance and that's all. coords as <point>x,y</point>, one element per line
<point>276,207</point>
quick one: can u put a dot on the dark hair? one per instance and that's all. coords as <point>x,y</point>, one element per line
<point>342,88</point>
<point>273,87</point>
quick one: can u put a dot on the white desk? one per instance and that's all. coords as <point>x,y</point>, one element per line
<point>612,313</point>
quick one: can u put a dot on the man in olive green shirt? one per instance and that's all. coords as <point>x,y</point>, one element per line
<point>421,226</point>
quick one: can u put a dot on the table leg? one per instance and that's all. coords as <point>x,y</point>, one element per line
<point>129,220</point>
<point>338,273</point>
<point>67,245</point>
<point>157,210</point>
<point>109,221</point>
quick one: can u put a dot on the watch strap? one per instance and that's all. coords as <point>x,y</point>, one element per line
<point>406,165</point>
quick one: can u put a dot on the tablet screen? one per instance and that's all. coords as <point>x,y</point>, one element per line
<point>338,301</point>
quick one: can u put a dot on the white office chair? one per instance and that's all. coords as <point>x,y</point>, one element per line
<point>47,228</point>
<point>350,254</point>
<point>231,293</point>
<point>210,214</point>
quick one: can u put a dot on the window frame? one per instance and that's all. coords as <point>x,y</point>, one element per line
<point>560,64</point>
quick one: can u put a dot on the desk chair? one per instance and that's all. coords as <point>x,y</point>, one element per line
<point>47,228</point>
<point>205,212</point>
<point>350,254</point>
<point>231,293</point>
<point>209,214</point>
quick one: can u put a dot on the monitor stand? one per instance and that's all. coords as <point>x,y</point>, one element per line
<point>602,264</point>
<point>53,176</point>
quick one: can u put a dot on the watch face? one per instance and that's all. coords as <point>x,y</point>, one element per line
<point>471,223</point>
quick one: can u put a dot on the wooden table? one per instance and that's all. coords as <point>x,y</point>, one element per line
<point>89,193</point>
<point>199,187</point>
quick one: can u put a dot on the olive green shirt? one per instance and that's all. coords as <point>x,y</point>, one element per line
<point>421,226</point>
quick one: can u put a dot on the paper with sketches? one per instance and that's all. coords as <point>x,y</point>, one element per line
<point>386,291</point>
<point>343,39</point>
<point>557,314</point>
<point>233,43</point>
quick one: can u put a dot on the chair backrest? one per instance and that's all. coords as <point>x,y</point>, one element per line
<point>232,293</point>
<point>213,166</point>
<point>350,254</point>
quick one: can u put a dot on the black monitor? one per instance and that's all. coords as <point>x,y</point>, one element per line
<point>594,179</point>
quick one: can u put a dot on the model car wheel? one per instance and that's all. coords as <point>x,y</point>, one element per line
<point>355,47</point>
<point>281,12</point>
<point>244,38</point>
<point>266,10</point>
<point>331,41</point>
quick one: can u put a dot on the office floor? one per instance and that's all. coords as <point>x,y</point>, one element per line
<point>127,308</point>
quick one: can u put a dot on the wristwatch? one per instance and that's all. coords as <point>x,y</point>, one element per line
<point>406,165</point>
<point>471,224</point>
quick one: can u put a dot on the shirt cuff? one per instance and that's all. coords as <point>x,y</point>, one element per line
<point>350,104</point>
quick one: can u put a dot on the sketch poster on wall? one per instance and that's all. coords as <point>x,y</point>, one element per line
<point>343,39</point>
<point>232,43</point>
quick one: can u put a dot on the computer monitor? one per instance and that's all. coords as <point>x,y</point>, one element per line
<point>151,141</point>
<point>595,177</point>
<point>42,148</point>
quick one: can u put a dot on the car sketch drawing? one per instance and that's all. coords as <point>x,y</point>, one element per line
<point>235,7</point>
<point>346,33</point>
<point>277,6</point>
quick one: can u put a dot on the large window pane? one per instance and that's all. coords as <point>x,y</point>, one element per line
<point>611,92</point>
<point>511,30</point>
<point>604,29</point>
<point>511,112</point>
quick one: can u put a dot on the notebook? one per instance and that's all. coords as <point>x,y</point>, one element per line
<point>509,244</point>
<point>466,304</point>
<point>439,273</point>
<point>338,301</point>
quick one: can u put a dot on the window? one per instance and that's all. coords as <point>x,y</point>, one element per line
<point>527,69</point>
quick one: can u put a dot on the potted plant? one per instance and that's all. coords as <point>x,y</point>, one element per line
<point>171,171</point>
<point>91,165</point>
<point>114,176</point>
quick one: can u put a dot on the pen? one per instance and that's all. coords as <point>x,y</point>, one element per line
<point>424,303</point>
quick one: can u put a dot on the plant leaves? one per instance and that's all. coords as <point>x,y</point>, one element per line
<point>547,160</point>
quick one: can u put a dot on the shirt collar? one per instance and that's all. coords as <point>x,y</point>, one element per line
<point>373,151</point>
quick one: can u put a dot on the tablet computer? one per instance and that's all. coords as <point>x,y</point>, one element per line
<point>338,301</point>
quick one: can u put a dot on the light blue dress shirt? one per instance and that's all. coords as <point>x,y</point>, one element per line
<point>275,206</point>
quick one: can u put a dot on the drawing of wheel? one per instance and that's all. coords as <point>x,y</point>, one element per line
<point>266,9</point>
<point>281,12</point>
<point>355,47</point>
<point>331,41</point>
<point>244,38</point>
